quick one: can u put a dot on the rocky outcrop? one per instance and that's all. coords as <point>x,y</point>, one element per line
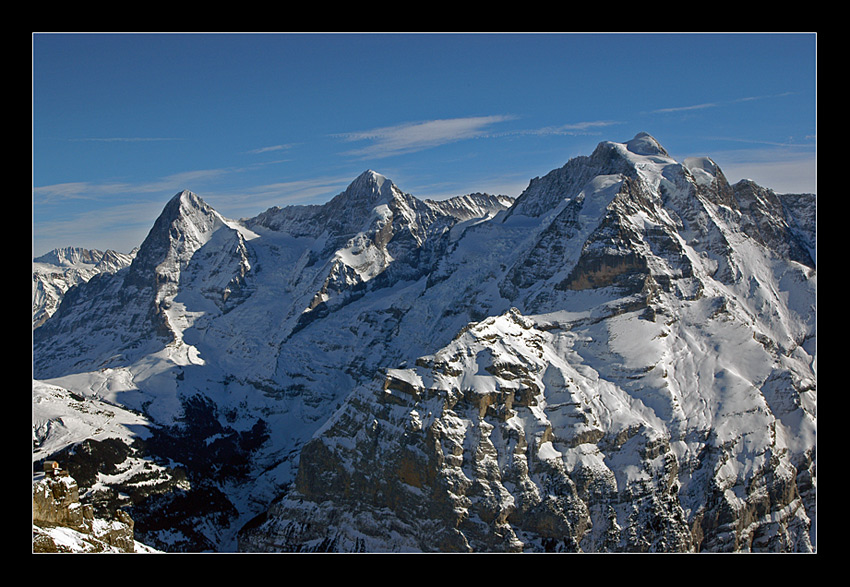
<point>504,442</point>
<point>491,445</point>
<point>167,482</point>
<point>62,524</point>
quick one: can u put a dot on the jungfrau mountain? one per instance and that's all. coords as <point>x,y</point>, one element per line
<point>622,359</point>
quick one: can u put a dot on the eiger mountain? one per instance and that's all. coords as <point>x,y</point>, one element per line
<point>622,359</point>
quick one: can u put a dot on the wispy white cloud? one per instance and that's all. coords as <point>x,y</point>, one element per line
<point>121,226</point>
<point>82,190</point>
<point>416,136</point>
<point>751,98</point>
<point>686,108</point>
<point>123,139</point>
<point>790,143</point>
<point>577,128</point>
<point>705,105</point>
<point>269,149</point>
<point>77,190</point>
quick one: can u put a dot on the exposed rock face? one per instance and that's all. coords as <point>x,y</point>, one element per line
<point>56,504</point>
<point>459,454</point>
<point>504,442</point>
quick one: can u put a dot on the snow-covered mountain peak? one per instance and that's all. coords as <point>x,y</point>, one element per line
<point>611,161</point>
<point>372,178</point>
<point>704,169</point>
<point>70,257</point>
<point>368,188</point>
<point>185,224</point>
<point>185,205</point>
<point>645,144</point>
<point>190,250</point>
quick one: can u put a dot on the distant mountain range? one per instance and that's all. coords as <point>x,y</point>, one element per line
<point>623,358</point>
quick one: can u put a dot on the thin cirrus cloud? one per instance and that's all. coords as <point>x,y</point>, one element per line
<point>122,139</point>
<point>686,108</point>
<point>93,191</point>
<point>262,150</point>
<point>578,128</point>
<point>705,105</point>
<point>416,136</point>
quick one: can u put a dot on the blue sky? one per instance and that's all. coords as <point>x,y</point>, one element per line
<point>122,122</point>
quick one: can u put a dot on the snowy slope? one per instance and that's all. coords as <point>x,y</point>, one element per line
<point>61,418</point>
